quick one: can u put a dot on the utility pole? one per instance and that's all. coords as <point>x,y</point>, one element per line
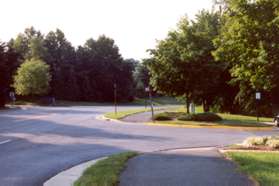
<point>115,98</point>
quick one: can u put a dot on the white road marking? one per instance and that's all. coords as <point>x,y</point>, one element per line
<point>6,141</point>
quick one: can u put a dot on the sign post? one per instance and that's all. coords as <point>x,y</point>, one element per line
<point>115,98</point>
<point>147,89</point>
<point>258,98</point>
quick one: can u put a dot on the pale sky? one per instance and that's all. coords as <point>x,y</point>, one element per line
<point>135,25</point>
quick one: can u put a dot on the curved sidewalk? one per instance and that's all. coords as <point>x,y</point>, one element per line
<point>190,167</point>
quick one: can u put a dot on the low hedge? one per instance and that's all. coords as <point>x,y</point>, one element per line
<point>207,116</point>
<point>162,117</point>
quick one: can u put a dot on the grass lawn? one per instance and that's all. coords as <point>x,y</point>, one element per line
<point>157,101</point>
<point>230,120</point>
<point>122,114</point>
<point>105,172</point>
<point>262,166</point>
<point>59,103</point>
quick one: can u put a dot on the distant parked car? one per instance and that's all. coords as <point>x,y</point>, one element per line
<point>276,120</point>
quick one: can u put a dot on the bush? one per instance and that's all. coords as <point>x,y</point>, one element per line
<point>273,143</point>
<point>186,117</point>
<point>207,116</point>
<point>162,117</point>
<point>255,141</point>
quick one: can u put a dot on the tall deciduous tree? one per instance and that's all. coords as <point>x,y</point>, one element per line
<point>183,64</point>
<point>249,44</point>
<point>61,57</point>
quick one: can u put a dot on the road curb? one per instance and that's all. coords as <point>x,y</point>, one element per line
<point>69,176</point>
<point>104,118</point>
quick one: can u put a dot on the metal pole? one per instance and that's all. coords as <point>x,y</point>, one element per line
<point>115,98</point>
<point>258,98</point>
<point>257,103</point>
<point>151,104</point>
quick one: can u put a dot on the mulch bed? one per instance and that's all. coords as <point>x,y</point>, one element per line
<point>254,148</point>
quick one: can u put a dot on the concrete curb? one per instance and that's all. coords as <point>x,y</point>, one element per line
<point>69,176</point>
<point>104,118</point>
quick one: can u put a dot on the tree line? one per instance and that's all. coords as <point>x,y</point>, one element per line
<point>85,73</point>
<point>222,58</point>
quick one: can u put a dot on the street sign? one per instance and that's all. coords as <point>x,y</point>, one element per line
<point>258,95</point>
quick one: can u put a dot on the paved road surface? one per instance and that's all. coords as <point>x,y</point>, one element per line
<point>38,142</point>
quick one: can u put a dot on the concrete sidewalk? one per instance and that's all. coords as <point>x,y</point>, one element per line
<point>193,167</point>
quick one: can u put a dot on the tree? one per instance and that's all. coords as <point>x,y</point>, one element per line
<point>4,76</point>
<point>32,78</point>
<point>141,78</point>
<point>61,57</point>
<point>249,44</point>
<point>87,73</point>
<point>29,44</point>
<point>99,67</point>
<point>183,65</point>
<point>8,64</point>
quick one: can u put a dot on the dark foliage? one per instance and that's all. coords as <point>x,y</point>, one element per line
<point>87,73</point>
<point>206,116</point>
<point>8,65</point>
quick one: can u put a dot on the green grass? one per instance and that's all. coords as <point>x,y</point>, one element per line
<point>231,120</point>
<point>157,101</point>
<point>262,166</point>
<point>244,119</point>
<point>105,172</point>
<point>122,114</point>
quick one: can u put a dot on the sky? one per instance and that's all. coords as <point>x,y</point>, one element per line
<point>135,25</point>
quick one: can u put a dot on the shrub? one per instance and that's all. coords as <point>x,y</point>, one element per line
<point>255,141</point>
<point>207,116</point>
<point>185,117</point>
<point>273,143</point>
<point>162,117</point>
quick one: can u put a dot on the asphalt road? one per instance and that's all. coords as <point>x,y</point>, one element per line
<point>38,142</point>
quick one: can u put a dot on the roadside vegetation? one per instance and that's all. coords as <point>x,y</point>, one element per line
<point>178,116</point>
<point>105,172</point>
<point>262,166</point>
<point>268,143</point>
<point>200,118</point>
<point>122,114</point>
<point>258,157</point>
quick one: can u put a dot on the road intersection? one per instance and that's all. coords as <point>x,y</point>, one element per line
<point>36,143</point>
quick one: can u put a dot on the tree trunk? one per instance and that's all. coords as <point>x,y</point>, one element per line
<point>205,106</point>
<point>187,105</point>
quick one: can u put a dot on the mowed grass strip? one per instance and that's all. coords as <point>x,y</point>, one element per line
<point>228,120</point>
<point>262,166</point>
<point>105,172</point>
<point>122,114</point>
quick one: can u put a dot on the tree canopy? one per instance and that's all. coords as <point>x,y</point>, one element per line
<point>32,78</point>
<point>182,64</point>
<point>249,44</point>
